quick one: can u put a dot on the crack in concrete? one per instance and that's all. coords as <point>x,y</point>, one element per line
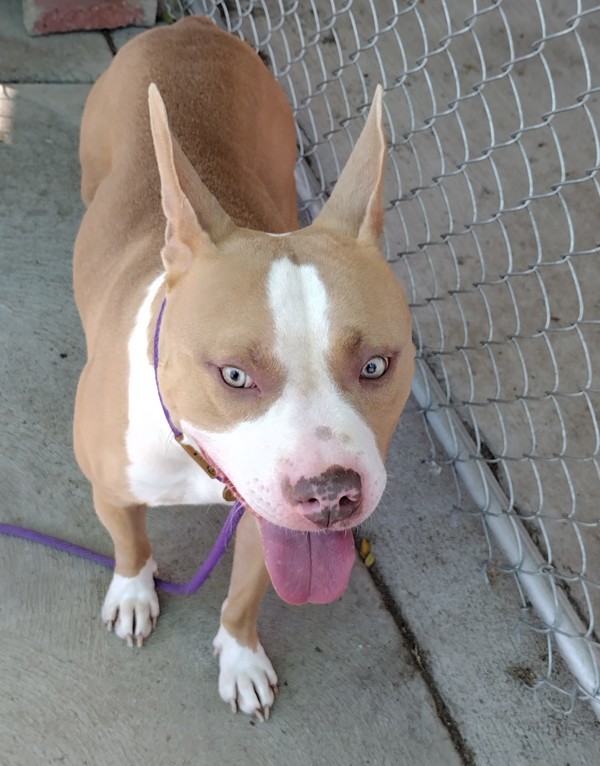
<point>420,660</point>
<point>109,41</point>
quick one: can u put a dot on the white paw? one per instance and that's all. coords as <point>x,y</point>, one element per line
<point>131,605</point>
<point>247,680</point>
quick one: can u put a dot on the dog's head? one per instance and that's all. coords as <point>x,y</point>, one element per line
<point>287,359</point>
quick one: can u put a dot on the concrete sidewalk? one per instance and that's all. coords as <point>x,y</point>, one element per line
<point>409,667</point>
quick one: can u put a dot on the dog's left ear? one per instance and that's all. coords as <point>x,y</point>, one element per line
<point>355,207</point>
<point>186,232</point>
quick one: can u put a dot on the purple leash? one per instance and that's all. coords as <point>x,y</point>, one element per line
<point>183,588</point>
<point>178,588</point>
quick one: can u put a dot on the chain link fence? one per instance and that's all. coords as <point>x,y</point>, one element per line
<point>493,224</point>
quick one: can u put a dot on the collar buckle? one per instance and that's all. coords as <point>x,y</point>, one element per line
<point>228,494</point>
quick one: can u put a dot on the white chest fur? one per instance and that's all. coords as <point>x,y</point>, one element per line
<point>159,471</point>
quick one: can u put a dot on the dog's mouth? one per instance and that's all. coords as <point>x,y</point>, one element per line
<point>307,566</point>
<point>303,566</point>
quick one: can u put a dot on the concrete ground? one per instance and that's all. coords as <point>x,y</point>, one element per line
<point>417,664</point>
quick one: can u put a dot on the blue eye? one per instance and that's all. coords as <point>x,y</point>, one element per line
<point>374,368</point>
<point>236,378</point>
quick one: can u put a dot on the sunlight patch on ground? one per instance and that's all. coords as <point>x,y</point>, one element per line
<point>7,107</point>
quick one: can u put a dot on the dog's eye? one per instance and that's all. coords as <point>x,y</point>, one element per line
<point>236,378</point>
<point>374,368</point>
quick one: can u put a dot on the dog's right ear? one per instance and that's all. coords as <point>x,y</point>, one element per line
<point>185,232</point>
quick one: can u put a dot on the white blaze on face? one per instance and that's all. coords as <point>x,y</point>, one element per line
<point>285,444</point>
<point>298,302</point>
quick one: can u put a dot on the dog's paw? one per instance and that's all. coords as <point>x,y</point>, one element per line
<point>131,605</point>
<point>247,680</point>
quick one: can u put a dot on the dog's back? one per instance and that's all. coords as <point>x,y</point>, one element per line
<point>231,120</point>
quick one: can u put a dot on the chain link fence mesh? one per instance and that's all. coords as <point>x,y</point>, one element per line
<point>493,224</point>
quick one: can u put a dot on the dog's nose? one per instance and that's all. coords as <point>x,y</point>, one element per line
<point>332,496</point>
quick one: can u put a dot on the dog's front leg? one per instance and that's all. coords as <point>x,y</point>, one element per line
<point>247,680</point>
<point>131,603</point>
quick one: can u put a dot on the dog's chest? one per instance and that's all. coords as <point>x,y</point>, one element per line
<point>160,472</point>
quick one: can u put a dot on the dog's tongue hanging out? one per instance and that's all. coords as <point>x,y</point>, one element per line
<point>307,566</point>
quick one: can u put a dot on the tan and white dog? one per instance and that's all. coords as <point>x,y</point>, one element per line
<point>284,357</point>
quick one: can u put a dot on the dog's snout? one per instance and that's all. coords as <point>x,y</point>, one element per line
<point>332,496</point>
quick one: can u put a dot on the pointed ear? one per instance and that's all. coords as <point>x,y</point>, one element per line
<point>185,230</point>
<point>355,207</point>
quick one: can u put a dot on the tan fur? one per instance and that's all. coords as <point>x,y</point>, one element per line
<point>187,188</point>
<point>248,135</point>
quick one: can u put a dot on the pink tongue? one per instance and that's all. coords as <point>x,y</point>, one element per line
<point>307,566</point>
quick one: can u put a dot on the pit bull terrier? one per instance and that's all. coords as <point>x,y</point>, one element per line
<point>284,355</point>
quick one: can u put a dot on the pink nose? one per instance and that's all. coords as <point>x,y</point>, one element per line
<point>333,496</point>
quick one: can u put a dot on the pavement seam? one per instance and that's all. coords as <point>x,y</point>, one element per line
<point>420,662</point>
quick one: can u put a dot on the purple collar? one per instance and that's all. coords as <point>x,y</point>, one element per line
<point>176,432</point>
<point>228,493</point>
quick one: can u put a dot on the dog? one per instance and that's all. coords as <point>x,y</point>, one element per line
<point>284,355</point>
